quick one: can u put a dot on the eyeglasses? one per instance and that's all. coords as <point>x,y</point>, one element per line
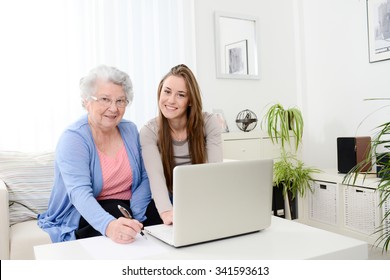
<point>106,102</point>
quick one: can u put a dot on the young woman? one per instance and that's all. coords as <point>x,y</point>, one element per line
<point>181,134</point>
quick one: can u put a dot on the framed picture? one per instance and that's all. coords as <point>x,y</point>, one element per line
<point>378,25</point>
<point>236,58</point>
<point>221,119</point>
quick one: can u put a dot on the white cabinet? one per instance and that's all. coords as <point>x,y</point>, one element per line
<point>253,145</point>
<point>248,145</point>
<point>349,209</point>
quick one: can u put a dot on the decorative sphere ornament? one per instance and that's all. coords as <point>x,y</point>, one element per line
<point>246,120</point>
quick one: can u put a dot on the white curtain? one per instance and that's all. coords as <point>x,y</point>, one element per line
<point>48,45</point>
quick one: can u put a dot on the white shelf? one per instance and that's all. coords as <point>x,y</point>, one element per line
<point>228,136</point>
<point>352,210</point>
<point>249,145</point>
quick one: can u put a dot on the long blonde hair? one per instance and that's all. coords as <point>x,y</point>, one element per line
<point>195,125</point>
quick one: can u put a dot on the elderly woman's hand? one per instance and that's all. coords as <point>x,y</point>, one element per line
<point>123,230</point>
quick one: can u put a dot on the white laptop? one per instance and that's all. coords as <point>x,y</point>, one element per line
<point>218,200</point>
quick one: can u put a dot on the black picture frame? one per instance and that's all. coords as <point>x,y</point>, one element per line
<point>236,58</point>
<point>378,28</point>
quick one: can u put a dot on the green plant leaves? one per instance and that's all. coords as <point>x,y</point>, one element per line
<point>280,122</point>
<point>289,171</point>
<point>378,155</point>
<point>292,174</point>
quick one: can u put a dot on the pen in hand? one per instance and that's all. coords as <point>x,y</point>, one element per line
<point>126,214</point>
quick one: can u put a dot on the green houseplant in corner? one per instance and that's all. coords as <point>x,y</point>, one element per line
<point>379,156</point>
<point>290,173</point>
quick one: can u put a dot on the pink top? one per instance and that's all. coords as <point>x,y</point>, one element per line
<point>117,176</point>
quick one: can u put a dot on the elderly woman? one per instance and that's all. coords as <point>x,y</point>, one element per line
<point>99,166</point>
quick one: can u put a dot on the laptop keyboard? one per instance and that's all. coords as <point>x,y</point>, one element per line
<point>163,232</point>
<point>166,232</point>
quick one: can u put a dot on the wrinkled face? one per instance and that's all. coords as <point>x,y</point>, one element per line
<point>174,99</point>
<point>104,114</point>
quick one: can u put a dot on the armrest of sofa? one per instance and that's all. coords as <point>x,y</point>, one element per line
<point>4,224</point>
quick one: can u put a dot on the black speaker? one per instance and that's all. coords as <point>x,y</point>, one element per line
<point>351,151</point>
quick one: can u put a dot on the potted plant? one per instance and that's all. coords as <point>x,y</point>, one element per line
<point>280,122</point>
<point>291,176</point>
<point>294,178</point>
<point>378,156</point>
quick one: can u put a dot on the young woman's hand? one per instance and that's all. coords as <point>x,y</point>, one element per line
<point>167,217</point>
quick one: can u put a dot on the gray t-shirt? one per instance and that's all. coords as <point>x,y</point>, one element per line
<point>152,157</point>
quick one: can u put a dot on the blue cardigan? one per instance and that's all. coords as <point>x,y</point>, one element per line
<point>78,181</point>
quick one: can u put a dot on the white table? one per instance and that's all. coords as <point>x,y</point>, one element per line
<point>283,240</point>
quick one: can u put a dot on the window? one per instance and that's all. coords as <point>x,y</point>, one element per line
<point>47,46</point>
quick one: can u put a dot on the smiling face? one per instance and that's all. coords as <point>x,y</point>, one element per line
<point>102,116</point>
<point>174,98</point>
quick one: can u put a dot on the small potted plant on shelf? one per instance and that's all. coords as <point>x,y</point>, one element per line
<point>378,156</point>
<point>291,176</point>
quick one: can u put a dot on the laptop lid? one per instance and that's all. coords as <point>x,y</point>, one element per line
<point>218,200</point>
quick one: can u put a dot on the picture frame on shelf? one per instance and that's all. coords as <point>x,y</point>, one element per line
<point>222,120</point>
<point>236,58</point>
<point>378,27</point>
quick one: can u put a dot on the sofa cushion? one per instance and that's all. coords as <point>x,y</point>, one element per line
<point>22,244</point>
<point>29,179</point>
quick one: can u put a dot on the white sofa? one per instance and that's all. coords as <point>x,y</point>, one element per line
<point>25,183</point>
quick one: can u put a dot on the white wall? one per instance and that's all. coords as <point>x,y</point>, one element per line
<point>314,54</point>
<point>277,59</point>
<point>338,77</point>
